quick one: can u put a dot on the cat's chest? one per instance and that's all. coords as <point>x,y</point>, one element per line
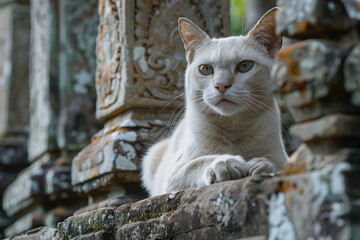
<point>219,144</point>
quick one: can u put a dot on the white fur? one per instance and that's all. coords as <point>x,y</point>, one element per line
<point>220,141</point>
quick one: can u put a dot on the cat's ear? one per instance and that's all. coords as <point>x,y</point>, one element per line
<point>191,35</point>
<point>264,32</point>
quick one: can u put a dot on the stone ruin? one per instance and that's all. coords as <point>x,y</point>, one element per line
<point>70,147</point>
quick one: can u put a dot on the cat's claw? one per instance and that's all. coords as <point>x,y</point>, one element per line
<point>260,165</point>
<point>226,167</point>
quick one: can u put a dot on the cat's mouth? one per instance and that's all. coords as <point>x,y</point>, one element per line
<point>225,101</point>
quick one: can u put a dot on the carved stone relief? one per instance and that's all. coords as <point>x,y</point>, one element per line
<point>141,60</point>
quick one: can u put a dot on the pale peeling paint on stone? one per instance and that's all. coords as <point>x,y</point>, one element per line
<point>337,180</point>
<point>223,215</point>
<point>83,80</point>
<point>129,136</point>
<point>139,55</point>
<point>125,162</point>
<point>280,226</point>
<point>128,123</point>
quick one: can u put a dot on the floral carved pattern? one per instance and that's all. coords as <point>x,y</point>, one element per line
<point>159,57</point>
<point>109,49</point>
<point>140,56</point>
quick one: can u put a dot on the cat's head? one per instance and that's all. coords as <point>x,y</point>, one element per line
<point>229,75</point>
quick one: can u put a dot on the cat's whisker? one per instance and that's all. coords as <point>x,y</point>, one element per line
<point>172,100</point>
<point>283,130</point>
<point>171,119</point>
<point>174,126</point>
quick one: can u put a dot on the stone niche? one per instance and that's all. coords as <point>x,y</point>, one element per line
<point>139,82</point>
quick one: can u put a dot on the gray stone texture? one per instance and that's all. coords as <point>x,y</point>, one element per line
<point>78,31</point>
<point>352,74</point>
<point>44,81</point>
<point>43,233</point>
<point>314,18</point>
<point>252,207</point>
<point>307,75</point>
<point>14,69</point>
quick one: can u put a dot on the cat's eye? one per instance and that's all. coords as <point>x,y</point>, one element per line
<point>245,66</point>
<point>206,69</point>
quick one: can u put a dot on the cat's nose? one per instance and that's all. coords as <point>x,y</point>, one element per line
<point>222,87</point>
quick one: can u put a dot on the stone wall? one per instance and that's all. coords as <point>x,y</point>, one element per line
<point>82,189</point>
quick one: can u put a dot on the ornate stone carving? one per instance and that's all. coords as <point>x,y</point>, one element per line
<point>116,152</point>
<point>141,59</point>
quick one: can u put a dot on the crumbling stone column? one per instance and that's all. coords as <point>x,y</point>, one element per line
<point>62,96</point>
<point>139,79</point>
<point>317,79</point>
<point>14,93</point>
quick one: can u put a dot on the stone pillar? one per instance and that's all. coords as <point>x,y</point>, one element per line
<point>139,79</point>
<point>317,79</point>
<point>14,93</point>
<point>62,116</point>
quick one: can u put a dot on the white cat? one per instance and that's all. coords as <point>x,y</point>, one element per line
<point>231,128</point>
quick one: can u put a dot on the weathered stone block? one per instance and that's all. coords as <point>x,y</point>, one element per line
<point>308,62</point>
<point>311,205</point>
<point>260,207</point>
<point>307,74</point>
<point>33,219</point>
<point>101,220</point>
<point>352,75</point>
<point>43,233</point>
<point>14,68</point>
<point>22,193</point>
<point>77,122</point>
<point>221,210</point>
<point>42,180</point>
<point>114,154</point>
<point>43,78</point>
<point>314,18</point>
<point>108,203</point>
<point>338,126</point>
<point>140,57</point>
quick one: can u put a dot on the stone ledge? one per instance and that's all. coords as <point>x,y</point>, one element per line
<point>257,207</point>
<point>253,207</point>
<point>43,233</point>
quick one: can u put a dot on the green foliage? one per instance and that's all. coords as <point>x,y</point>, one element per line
<point>237,16</point>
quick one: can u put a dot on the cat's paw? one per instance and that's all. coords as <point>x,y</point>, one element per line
<point>260,165</point>
<point>226,167</point>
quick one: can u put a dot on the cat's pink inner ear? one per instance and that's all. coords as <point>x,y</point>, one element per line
<point>191,35</point>
<point>264,32</point>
